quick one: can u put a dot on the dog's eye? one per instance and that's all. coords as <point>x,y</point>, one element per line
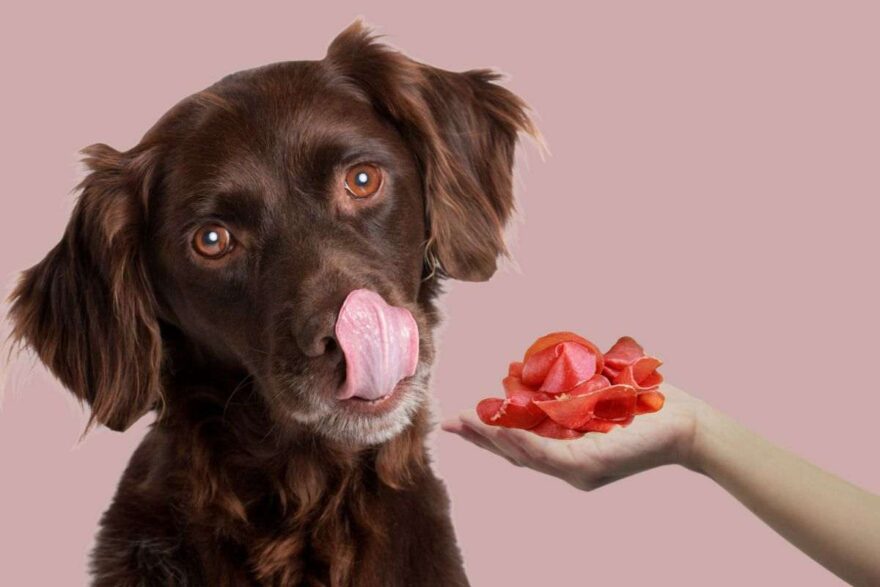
<point>212,240</point>
<point>363,180</point>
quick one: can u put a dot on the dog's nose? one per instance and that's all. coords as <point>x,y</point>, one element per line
<point>316,336</point>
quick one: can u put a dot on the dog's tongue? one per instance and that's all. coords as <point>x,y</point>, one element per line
<point>380,343</point>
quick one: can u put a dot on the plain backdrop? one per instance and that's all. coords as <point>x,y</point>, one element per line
<point>711,189</point>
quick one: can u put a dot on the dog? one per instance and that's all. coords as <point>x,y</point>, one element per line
<point>248,272</point>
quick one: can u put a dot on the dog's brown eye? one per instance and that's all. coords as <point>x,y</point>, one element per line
<point>363,180</point>
<point>212,240</point>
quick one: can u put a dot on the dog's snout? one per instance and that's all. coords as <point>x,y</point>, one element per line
<point>315,336</point>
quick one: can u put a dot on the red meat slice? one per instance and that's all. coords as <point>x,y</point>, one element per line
<point>502,412</point>
<point>592,384</point>
<point>574,365</point>
<point>559,361</point>
<point>550,429</point>
<point>601,425</point>
<point>517,392</point>
<point>565,387</point>
<point>641,374</point>
<point>649,401</point>
<point>515,369</point>
<point>616,402</point>
<point>624,352</point>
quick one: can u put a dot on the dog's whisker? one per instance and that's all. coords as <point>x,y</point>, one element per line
<point>256,350</point>
<point>245,379</point>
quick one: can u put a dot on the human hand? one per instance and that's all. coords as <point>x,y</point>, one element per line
<point>596,459</point>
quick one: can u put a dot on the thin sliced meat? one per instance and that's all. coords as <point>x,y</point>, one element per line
<point>517,392</point>
<point>502,412</point>
<point>560,368</point>
<point>582,360</point>
<point>597,425</point>
<point>614,402</point>
<point>554,338</point>
<point>624,352</point>
<point>574,364</point>
<point>641,374</point>
<point>644,371</point>
<point>601,425</point>
<point>649,401</point>
<point>610,372</point>
<point>515,369</point>
<point>618,407</point>
<point>592,384</point>
<point>565,387</point>
<point>550,429</point>
<point>536,367</point>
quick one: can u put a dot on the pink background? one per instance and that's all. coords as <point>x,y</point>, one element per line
<point>712,190</point>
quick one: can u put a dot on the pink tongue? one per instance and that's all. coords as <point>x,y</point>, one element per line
<point>380,343</point>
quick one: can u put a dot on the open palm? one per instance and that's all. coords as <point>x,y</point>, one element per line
<point>595,459</point>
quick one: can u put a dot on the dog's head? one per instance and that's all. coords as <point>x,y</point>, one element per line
<point>229,237</point>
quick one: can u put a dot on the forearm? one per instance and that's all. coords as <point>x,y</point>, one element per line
<point>832,521</point>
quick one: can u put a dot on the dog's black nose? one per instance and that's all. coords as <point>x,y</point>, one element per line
<point>316,336</point>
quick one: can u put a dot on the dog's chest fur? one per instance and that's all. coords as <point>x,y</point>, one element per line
<point>214,511</point>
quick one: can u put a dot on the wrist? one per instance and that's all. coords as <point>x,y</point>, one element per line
<point>706,421</point>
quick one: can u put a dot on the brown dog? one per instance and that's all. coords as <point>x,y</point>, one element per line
<point>202,274</point>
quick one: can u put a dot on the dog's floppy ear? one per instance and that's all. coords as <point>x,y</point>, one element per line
<point>463,128</point>
<point>87,308</point>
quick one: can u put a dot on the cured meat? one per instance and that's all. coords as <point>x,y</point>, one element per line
<point>613,403</point>
<point>559,361</point>
<point>565,387</point>
<point>503,412</point>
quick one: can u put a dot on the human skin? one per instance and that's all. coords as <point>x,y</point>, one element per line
<point>832,521</point>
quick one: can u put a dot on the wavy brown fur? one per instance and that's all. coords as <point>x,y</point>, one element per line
<point>252,473</point>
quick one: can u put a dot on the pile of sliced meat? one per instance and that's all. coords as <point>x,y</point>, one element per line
<point>565,387</point>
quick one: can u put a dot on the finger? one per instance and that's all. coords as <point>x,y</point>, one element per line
<point>523,447</point>
<point>453,425</point>
<point>470,419</point>
<point>490,438</point>
<point>473,437</point>
<point>533,451</point>
<point>457,426</point>
<point>502,437</point>
<point>508,442</point>
<point>526,449</point>
<point>485,443</point>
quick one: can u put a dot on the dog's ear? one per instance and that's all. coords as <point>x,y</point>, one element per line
<point>87,308</point>
<point>463,129</point>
